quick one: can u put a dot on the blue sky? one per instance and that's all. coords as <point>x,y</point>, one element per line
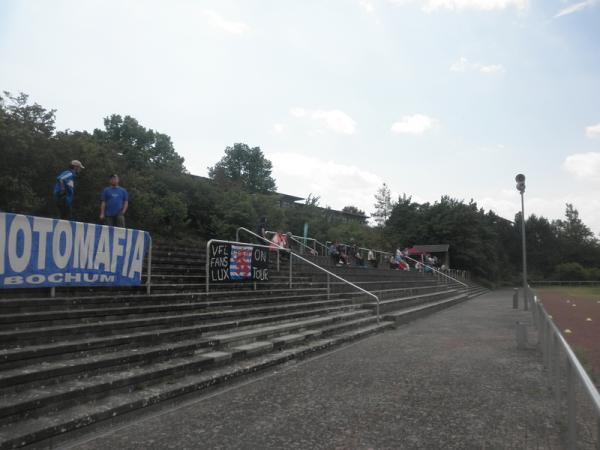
<point>431,96</point>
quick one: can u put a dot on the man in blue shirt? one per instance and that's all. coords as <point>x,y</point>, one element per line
<point>115,202</point>
<point>65,188</point>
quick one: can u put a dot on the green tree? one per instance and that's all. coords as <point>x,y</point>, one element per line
<point>383,205</point>
<point>244,167</point>
<point>140,147</point>
<point>356,211</point>
<point>570,271</point>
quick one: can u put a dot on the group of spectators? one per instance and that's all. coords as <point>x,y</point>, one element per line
<point>428,263</point>
<point>114,200</point>
<point>350,255</point>
<point>353,255</point>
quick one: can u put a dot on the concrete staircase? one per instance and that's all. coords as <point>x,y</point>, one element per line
<point>88,358</point>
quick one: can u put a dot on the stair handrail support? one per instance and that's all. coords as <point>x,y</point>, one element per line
<point>295,255</point>
<point>437,271</point>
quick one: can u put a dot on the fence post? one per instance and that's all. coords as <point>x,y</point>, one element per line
<point>516,299</point>
<point>328,287</point>
<point>53,291</point>
<point>550,352</point>
<point>291,258</point>
<point>557,387</point>
<point>546,344</point>
<point>277,260</point>
<point>149,269</point>
<point>571,407</point>
<point>207,281</point>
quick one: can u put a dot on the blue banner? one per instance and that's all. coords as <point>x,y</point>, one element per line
<point>42,252</point>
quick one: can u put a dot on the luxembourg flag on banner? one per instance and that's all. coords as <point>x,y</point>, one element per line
<point>240,266</point>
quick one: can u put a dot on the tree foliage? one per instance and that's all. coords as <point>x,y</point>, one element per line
<point>383,205</point>
<point>168,201</point>
<point>245,168</point>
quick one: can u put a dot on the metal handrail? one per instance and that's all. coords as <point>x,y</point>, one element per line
<point>302,244</point>
<point>149,268</point>
<point>317,242</point>
<point>437,271</point>
<point>548,339</point>
<point>290,236</point>
<point>264,239</point>
<point>292,254</point>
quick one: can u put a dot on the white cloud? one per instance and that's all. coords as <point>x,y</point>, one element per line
<point>576,8</point>
<point>456,5</point>
<point>229,26</point>
<point>464,65</point>
<point>336,120</point>
<point>415,124</point>
<point>367,5</point>
<point>593,131</point>
<point>583,165</point>
<point>278,128</point>
<point>333,120</point>
<point>338,185</point>
<point>298,112</point>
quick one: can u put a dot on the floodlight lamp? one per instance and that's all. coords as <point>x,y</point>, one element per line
<point>520,179</point>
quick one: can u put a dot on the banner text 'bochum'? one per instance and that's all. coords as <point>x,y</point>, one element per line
<point>42,252</point>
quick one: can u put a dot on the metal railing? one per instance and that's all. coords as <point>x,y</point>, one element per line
<point>438,272</point>
<point>149,268</point>
<point>565,282</point>
<point>315,242</point>
<point>556,350</point>
<point>293,238</point>
<point>457,273</point>
<point>292,256</point>
<point>383,256</point>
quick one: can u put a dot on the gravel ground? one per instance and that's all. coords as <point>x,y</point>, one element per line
<point>454,380</point>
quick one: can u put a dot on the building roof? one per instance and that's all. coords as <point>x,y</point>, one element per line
<point>438,248</point>
<point>289,197</point>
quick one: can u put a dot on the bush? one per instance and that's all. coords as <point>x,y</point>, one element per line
<point>570,271</point>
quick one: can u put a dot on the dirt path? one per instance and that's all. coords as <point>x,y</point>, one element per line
<point>577,310</point>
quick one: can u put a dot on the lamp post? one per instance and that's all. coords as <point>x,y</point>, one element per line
<point>520,179</point>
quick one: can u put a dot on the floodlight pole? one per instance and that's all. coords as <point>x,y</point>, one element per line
<point>520,179</point>
<point>525,298</point>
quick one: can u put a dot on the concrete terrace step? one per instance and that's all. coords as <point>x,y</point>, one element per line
<point>26,401</point>
<point>45,334</point>
<point>46,304</point>
<point>477,290</point>
<point>39,318</point>
<point>408,314</point>
<point>111,316</point>
<point>84,366</point>
<point>38,429</point>
<point>405,302</point>
<point>19,355</point>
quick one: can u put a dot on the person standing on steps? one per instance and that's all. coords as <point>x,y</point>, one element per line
<point>64,188</point>
<point>114,204</point>
<point>261,228</point>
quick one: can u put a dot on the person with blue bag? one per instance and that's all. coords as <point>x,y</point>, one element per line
<point>64,190</point>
